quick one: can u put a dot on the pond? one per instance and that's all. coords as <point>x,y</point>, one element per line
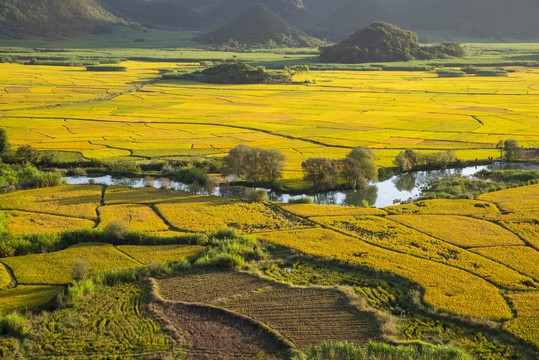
<point>402,187</point>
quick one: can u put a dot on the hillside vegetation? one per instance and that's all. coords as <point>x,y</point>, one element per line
<point>260,26</point>
<point>385,42</point>
<point>53,18</point>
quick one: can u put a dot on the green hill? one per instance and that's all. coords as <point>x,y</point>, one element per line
<point>53,18</point>
<point>354,15</point>
<point>383,42</point>
<point>259,26</point>
<point>161,14</point>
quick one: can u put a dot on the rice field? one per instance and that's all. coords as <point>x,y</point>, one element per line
<point>524,259</point>
<point>5,278</point>
<point>386,110</point>
<point>459,230</point>
<point>210,213</point>
<point>55,268</point>
<point>137,217</point>
<point>116,322</point>
<point>67,200</point>
<point>445,207</point>
<point>27,296</point>
<point>22,222</point>
<point>309,210</point>
<point>119,194</point>
<point>147,254</point>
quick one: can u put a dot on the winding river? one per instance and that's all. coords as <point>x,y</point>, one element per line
<point>402,187</point>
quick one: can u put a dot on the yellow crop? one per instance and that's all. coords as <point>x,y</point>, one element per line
<point>308,210</point>
<point>526,328</point>
<point>5,279</point>
<point>384,110</point>
<point>521,199</point>
<point>69,200</point>
<point>393,236</point>
<point>118,194</point>
<point>444,207</point>
<point>21,222</point>
<point>526,304</point>
<point>55,268</point>
<point>459,230</point>
<point>138,217</point>
<point>212,213</point>
<point>161,253</point>
<point>524,259</point>
<point>23,297</point>
<point>528,230</point>
<point>446,287</point>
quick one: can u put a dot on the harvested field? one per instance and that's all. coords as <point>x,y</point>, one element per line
<point>207,287</point>
<point>307,316</point>
<point>217,334</point>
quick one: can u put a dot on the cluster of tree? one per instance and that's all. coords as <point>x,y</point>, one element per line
<point>354,171</point>
<point>233,73</point>
<point>409,159</point>
<point>511,149</point>
<point>255,164</point>
<point>383,42</point>
<point>23,154</point>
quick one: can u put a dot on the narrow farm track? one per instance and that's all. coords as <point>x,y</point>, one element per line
<point>105,98</point>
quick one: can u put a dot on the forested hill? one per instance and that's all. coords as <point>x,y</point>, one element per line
<point>433,20</point>
<point>53,18</point>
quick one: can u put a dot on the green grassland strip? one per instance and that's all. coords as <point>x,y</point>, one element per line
<point>105,98</point>
<point>467,250</point>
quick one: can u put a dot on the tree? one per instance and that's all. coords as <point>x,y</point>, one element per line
<point>358,168</point>
<point>255,164</point>
<point>321,172</point>
<point>27,154</point>
<point>499,145</point>
<point>233,163</point>
<point>512,149</point>
<point>406,160</point>
<point>273,164</point>
<point>4,141</point>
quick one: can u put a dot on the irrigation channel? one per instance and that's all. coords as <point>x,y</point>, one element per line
<point>402,187</point>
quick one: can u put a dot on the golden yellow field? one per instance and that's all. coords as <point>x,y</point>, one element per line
<point>446,288</point>
<point>55,268</point>
<point>385,110</point>
<point>24,296</point>
<point>464,254</point>
<point>22,222</point>
<point>73,201</point>
<point>5,279</point>
<point>210,213</point>
<point>459,230</point>
<point>138,217</point>
<point>160,253</point>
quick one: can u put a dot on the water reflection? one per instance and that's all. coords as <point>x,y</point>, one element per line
<point>401,187</point>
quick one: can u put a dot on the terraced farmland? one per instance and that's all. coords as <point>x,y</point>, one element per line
<point>160,253</point>
<point>303,315</point>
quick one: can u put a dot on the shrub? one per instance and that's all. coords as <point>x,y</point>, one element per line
<point>115,231</point>
<point>258,195</point>
<point>77,291</point>
<point>13,324</point>
<point>80,270</point>
<point>301,200</point>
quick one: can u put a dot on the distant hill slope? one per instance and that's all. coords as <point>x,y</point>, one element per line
<point>161,14</point>
<point>53,18</point>
<point>258,25</point>
<point>349,18</point>
<point>224,11</point>
<point>383,42</point>
<point>496,19</point>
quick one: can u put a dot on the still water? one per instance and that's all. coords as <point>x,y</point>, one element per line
<point>401,187</point>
